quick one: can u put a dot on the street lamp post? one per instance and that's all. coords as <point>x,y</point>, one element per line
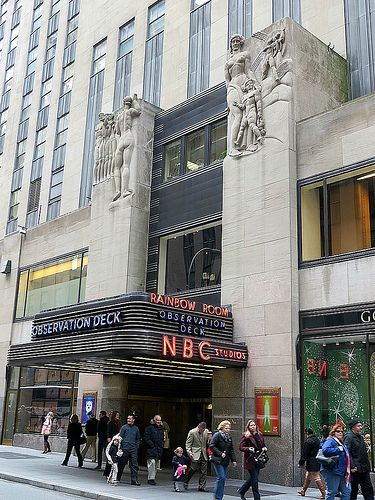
<point>204,249</point>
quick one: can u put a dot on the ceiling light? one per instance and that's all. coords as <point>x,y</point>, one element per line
<point>367,176</point>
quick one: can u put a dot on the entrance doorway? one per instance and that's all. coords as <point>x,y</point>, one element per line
<point>181,404</point>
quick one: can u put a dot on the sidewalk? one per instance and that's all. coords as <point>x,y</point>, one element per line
<point>24,465</point>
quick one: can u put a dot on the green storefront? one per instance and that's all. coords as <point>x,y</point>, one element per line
<point>336,352</point>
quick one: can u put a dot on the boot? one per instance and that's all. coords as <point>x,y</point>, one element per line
<point>322,489</point>
<point>306,484</point>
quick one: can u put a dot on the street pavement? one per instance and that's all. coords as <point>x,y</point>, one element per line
<point>29,467</point>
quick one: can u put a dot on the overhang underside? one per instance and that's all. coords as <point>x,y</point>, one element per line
<point>127,353</point>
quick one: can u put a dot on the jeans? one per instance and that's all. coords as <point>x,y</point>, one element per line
<point>363,479</point>
<point>252,481</point>
<point>335,483</point>
<point>221,474</point>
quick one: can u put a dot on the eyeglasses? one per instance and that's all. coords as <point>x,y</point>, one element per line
<point>340,431</point>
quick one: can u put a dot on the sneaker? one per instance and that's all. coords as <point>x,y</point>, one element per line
<point>152,482</point>
<point>135,483</point>
<point>205,490</point>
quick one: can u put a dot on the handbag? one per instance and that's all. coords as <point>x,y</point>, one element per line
<point>82,439</point>
<point>261,458</point>
<point>327,462</point>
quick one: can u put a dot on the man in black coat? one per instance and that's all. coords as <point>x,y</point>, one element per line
<point>359,462</point>
<point>153,439</point>
<point>309,451</point>
<point>102,436</point>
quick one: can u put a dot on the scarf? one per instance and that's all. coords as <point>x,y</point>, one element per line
<point>225,436</point>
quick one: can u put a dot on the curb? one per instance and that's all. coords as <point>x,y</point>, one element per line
<point>61,489</point>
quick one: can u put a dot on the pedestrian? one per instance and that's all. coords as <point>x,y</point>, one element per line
<point>153,439</point>
<point>179,464</point>
<point>113,426</point>
<point>130,441</point>
<point>222,449</point>
<point>337,478</point>
<point>74,433</point>
<point>113,453</point>
<point>91,431</point>
<point>196,447</point>
<point>251,444</point>
<point>359,462</point>
<point>46,431</point>
<point>309,451</point>
<point>102,436</point>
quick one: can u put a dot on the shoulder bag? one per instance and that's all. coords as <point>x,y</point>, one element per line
<point>82,439</point>
<point>327,462</point>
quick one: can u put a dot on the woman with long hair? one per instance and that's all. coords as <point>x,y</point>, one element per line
<point>74,433</point>
<point>251,444</point>
<point>221,446</point>
<point>46,431</point>
<point>338,477</point>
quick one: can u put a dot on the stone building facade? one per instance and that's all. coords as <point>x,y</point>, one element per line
<point>249,200</point>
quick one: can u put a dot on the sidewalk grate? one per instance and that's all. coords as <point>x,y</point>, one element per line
<point>8,455</point>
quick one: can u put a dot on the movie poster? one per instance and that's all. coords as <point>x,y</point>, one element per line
<point>267,410</point>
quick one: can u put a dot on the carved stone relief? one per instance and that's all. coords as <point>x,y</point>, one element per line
<point>252,86</point>
<point>114,145</point>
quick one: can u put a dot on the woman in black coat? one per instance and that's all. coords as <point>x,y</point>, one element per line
<point>221,446</point>
<point>74,433</point>
<point>309,451</point>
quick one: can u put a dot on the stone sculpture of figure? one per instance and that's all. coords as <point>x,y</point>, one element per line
<point>112,144</point>
<point>100,132</point>
<point>237,71</point>
<point>273,50</point>
<point>252,119</point>
<point>125,145</point>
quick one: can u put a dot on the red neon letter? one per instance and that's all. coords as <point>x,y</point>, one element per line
<point>187,348</point>
<point>344,370</point>
<point>203,344</point>
<point>153,297</point>
<point>310,367</point>
<point>322,368</point>
<point>168,346</point>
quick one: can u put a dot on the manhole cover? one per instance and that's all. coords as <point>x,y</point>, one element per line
<point>14,456</point>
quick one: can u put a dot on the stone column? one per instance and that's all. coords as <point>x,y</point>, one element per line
<point>259,247</point>
<point>115,395</point>
<point>119,229</point>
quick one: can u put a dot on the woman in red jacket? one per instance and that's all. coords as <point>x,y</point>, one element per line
<point>251,444</point>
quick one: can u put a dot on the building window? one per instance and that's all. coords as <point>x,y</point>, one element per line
<point>39,391</point>
<point>154,53</point>
<point>95,97</point>
<point>337,372</point>
<point>191,259</point>
<point>199,47</point>
<point>124,63</point>
<point>338,214</point>
<point>360,30</point>
<point>204,146</point>
<point>240,17</point>
<point>286,8</point>
<point>59,283</point>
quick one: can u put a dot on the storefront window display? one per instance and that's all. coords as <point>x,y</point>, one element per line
<point>339,382</point>
<point>40,391</point>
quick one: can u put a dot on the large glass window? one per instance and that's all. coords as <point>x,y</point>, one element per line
<point>240,14</point>
<point>286,8</point>
<point>199,47</point>
<point>60,283</point>
<point>204,146</point>
<point>40,391</point>
<point>124,63</point>
<point>338,214</point>
<point>360,38</point>
<point>336,376</point>
<point>192,259</point>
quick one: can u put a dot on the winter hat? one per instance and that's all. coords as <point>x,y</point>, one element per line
<point>309,430</point>
<point>354,422</point>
